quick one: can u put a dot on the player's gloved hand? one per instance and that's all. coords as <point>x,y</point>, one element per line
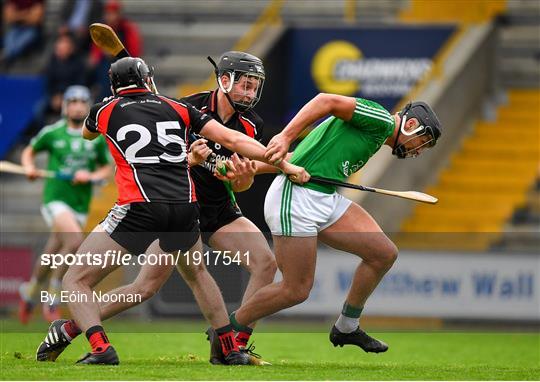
<point>277,149</point>
<point>81,177</point>
<point>295,173</point>
<point>198,152</point>
<point>245,172</point>
<point>31,172</point>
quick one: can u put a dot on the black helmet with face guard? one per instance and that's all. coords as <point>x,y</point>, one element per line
<point>428,124</point>
<point>238,65</point>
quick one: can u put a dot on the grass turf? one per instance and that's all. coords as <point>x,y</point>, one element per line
<point>295,356</point>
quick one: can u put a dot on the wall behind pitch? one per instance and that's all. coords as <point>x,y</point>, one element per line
<point>447,285</point>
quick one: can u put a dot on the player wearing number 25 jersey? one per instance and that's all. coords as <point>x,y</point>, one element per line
<point>147,135</point>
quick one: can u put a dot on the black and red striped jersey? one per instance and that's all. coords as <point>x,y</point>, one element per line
<point>148,136</point>
<point>210,190</point>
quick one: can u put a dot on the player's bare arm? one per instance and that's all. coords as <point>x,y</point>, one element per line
<point>248,147</point>
<point>319,107</point>
<point>27,160</point>
<point>84,176</point>
<point>235,174</point>
<point>90,124</point>
<point>265,168</point>
<point>87,134</point>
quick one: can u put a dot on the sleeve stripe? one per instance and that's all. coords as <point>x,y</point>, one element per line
<point>373,110</point>
<point>374,116</point>
<point>378,116</point>
<point>382,110</point>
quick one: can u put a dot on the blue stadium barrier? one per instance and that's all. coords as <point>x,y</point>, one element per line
<point>19,98</point>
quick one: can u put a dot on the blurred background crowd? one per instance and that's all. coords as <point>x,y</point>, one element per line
<point>61,50</point>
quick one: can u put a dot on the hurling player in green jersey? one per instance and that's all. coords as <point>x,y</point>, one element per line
<point>300,215</point>
<point>66,198</point>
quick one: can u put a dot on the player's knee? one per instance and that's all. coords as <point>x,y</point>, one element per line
<point>297,294</point>
<point>66,281</point>
<point>193,273</point>
<point>71,280</point>
<point>145,292</point>
<point>264,267</point>
<point>391,254</point>
<point>73,242</point>
<point>146,289</point>
<point>270,268</point>
<point>388,255</point>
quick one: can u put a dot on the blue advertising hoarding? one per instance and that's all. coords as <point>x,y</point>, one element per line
<point>382,64</point>
<point>18,101</point>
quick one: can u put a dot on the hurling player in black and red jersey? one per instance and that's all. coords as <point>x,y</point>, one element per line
<point>148,136</point>
<point>240,77</point>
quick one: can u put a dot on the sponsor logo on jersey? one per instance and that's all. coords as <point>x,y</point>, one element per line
<point>349,169</point>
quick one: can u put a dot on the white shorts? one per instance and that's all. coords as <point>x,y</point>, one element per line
<point>293,210</point>
<point>52,209</point>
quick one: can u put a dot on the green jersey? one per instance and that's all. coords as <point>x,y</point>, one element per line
<point>68,153</point>
<point>336,149</point>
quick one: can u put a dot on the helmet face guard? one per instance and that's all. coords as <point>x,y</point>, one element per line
<point>245,70</point>
<point>244,90</point>
<point>402,152</point>
<point>429,127</point>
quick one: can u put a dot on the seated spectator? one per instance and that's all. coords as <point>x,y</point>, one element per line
<point>77,15</point>
<point>128,33</point>
<point>66,67</point>
<point>23,21</point>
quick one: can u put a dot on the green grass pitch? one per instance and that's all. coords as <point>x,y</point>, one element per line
<point>183,355</point>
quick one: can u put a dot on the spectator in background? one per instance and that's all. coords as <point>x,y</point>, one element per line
<point>128,33</point>
<point>66,67</point>
<point>23,21</point>
<point>76,16</point>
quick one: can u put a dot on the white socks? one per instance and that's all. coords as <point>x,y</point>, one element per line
<point>346,324</point>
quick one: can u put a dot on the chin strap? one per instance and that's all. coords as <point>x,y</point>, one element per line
<point>396,150</point>
<point>402,124</point>
<point>216,71</point>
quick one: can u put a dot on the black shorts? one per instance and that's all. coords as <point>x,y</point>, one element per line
<point>215,217</point>
<point>135,226</point>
